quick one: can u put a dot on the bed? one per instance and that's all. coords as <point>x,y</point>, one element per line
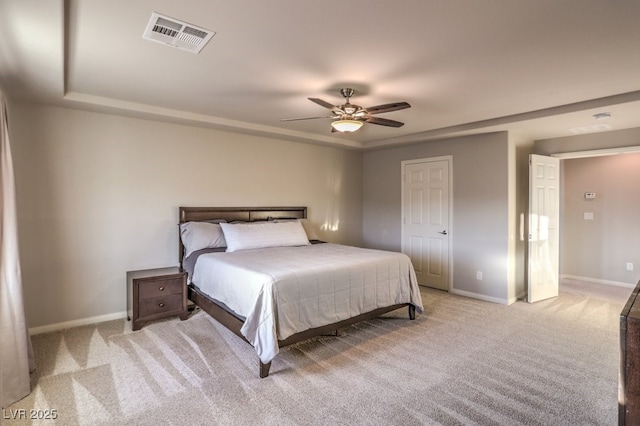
<point>264,274</point>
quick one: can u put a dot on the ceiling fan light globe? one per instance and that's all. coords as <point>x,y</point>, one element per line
<point>347,126</point>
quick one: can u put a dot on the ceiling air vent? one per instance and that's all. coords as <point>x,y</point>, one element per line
<point>172,32</point>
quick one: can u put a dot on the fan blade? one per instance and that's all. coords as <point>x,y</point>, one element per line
<point>384,122</point>
<point>306,118</point>
<point>323,103</point>
<point>395,106</point>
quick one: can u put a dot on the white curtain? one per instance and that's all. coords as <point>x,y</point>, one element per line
<point>16,355</point>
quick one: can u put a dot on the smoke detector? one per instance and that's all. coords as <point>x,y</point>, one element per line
<point>602,115</point>
<point>175,33</point>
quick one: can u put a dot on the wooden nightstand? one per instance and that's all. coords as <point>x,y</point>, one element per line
<point>153,294</point>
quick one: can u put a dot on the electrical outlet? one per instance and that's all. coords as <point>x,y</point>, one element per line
<point>479,275</point>
<point>629,266</point>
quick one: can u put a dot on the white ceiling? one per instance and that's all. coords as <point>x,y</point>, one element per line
<point>534,67</point>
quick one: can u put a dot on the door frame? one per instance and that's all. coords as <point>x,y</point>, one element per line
<point>449,159</point>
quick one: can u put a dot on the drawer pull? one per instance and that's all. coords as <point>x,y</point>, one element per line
<point>161,288</point>
<point>161,305</point>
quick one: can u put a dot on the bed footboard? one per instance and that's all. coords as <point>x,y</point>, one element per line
<point>333,328</point>
<point>234,323</point>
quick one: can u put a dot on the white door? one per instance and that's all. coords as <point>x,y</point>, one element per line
<point>425,219</point>
<point>544,218</point>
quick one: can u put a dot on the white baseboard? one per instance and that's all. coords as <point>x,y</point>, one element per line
<point>597,281</point>
<point>76,323</point>
<point>479,296</point>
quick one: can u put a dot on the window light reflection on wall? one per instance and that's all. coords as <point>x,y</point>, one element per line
<point>331,226</point>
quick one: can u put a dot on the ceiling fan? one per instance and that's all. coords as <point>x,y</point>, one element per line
<point>349,117</point>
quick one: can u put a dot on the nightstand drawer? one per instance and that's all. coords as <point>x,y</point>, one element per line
<point>160,305</point>
<point>157,288</point>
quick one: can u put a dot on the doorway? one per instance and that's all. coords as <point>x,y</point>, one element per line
<point>597,240</point>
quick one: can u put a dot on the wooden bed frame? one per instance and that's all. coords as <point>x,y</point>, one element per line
<point>231,320</point>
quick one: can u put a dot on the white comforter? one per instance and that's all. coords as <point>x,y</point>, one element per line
<point>284,290</point>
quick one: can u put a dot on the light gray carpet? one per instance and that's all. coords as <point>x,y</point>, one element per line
<point>464,362</point>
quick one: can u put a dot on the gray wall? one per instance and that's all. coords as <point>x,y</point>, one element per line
<point>479,232</point>
<point>599,250</point>
<point>98,195</point>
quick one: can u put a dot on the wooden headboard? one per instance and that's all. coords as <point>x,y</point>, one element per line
<point>230,214</point>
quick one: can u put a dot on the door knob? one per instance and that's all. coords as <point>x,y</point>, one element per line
<point>443,232</point>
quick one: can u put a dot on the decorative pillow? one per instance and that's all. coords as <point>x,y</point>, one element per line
<point>200,235</point>
<point>264,234</point>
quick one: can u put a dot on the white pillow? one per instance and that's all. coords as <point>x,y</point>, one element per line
<point>247,236</point>
<point>306,224</point>
<point>201,235</point>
